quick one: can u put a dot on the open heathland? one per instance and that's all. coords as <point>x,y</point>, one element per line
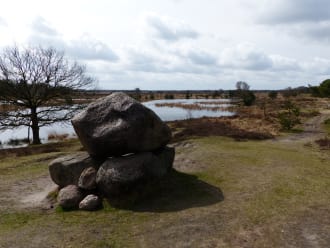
<point>223,192</point>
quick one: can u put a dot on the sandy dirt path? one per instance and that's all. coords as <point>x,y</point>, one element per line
<point>312,129</point>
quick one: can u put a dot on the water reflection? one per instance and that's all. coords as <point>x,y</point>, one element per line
<point>13,138</point>
<point>175,112</point>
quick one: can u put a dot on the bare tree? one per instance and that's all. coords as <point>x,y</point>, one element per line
<point>39,83</point>
<point>241,85</point>
<point>243,91</point>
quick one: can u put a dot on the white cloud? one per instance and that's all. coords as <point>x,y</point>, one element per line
<point>245,56</point>
<point>41,26</point>
<point>87,48</point>
<point>146,61</point>
<point>295,11</point>
<point>192,68</point>
<point>200,57</point>
<point>84,48</point>
<point>317,66</point>
<point>3,22</point>
<point>42,33</point>
<point>169,29</point>
<point>281,63</point>
<point>183,44</point>
<point>166,61</point>
<point>317,32</point>
<point>302,18</point>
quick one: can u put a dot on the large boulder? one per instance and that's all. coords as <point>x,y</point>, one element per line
<point>66,170</point>
<point>118,174</point>
<point>70,196</point>
<point>118,125</point>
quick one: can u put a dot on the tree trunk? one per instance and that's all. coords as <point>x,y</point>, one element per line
<point>35,126</point>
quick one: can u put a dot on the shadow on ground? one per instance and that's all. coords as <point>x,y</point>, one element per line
<point>177,191</point>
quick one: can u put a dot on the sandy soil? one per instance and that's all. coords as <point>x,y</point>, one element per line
<point>37,198</point>
<point>312,129</point>
<point>26,194</point>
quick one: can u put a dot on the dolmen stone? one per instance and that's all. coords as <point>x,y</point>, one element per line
<point>90,203</point>
<point>70,196</point>
<point>118,125</point>
<point>66,170</point>
<point>126,148</point>
<point>87,179</point>
<point>118,174</point>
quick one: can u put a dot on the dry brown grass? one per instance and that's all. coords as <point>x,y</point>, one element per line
<point>6,107</point>
<point>235,127</point>
<point>323,143</point>
<point>57,136</point>
<point>259,121</point>
<point>37,149</point>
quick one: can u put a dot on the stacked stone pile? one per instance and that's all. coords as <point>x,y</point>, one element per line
<point>126,146</point>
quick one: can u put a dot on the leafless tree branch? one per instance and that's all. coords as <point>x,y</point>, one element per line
<point>42,81</point>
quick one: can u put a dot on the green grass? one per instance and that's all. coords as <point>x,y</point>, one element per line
<point>236,191</point>
<point>266,180</point>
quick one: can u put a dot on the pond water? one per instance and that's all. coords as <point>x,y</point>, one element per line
<point>11,138</point>
<point>166,113</point>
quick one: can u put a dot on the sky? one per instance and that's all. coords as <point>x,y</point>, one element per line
<point>180,44</point>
